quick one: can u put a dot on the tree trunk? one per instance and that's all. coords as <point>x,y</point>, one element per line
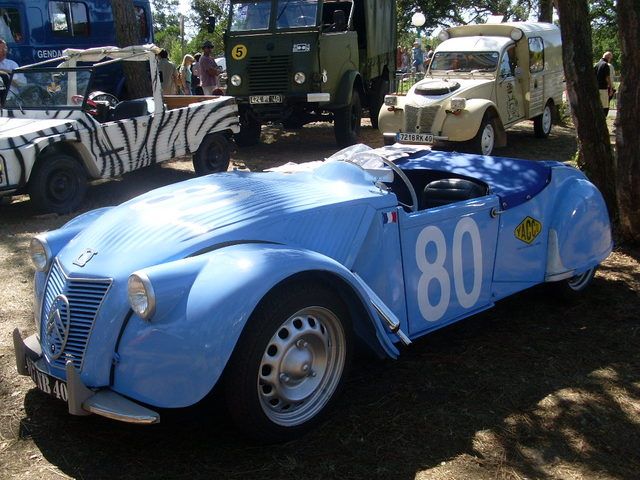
<point>545,13</point>
<point>594,147</point>
<point>627,137</point>
<point>137,79</point>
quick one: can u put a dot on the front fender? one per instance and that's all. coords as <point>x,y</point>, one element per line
<point>204,303</point>
<point>580,231</point>
<point>465,125</point>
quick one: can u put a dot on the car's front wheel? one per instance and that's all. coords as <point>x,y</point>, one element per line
<point>212,155</point>
<point>485,139</point>
<point>289,364</point>
<point>58,184</point>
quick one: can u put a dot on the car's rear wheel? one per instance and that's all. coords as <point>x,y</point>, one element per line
<point>542,123</point>
<point>289,364</point>
<point>579,283</point>
<point>58,183</point>
<point>212,155</point>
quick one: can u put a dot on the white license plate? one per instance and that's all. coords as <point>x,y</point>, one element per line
<point>414,137</point>
<point>257,99</point>
<point>46,382</point>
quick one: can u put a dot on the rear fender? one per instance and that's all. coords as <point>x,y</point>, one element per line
<point>203,304</point>
<point>580,231</point>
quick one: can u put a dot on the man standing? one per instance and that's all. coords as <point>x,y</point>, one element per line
<point>208,70</point>
<point>605,82</point>
<point>418,57</point>
<point>6,64</point>
<point>168,74</point>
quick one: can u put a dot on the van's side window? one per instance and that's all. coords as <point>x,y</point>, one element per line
<point>10,25</point>
<point>69,19</point>
<point>536,54</point>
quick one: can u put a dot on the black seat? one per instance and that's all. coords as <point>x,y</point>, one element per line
<point>450,190</point>
<point>130,109</point>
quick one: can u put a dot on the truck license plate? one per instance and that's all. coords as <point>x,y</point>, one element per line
<point>257,99</point>
<point>47,383</point>
<point>414,137</point>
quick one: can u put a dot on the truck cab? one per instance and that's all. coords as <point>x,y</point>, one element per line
<point>297,61</point>
<point>482,80</point>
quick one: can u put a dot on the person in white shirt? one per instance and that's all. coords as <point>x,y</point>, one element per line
<point>6,64</point>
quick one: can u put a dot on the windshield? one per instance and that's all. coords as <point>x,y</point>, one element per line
<point>296,13</point>
<point>250,15</point>
<point>48,87</point>
<point>465,61</point>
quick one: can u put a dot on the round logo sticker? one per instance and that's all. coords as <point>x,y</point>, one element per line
<point>239,52</point>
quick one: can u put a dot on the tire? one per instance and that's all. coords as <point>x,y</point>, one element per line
<point>249,133</point>
<point>485,140</point>
<point>377,100</point>
<point>57,184</point>
<point>571,289</point>
<point>346,126</point>
<point>542,123</point>
<point>290,363</point>
<point>212,155</point>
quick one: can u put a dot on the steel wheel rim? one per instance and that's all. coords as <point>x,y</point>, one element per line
<point>546,119</point>
<point>214,156</point>
<point>486,142</point>
<point>578,282</point>
<point>301,366</point>
<point>62,187</point>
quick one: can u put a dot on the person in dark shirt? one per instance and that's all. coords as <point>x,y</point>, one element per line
<point>605,82</point>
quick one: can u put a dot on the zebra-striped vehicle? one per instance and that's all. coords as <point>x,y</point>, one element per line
<point>56,132</point>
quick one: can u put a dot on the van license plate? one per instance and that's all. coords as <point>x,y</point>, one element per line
<point>414,137</point>
<point>257,99</point>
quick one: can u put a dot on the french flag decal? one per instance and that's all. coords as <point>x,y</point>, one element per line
<point>390,217</point>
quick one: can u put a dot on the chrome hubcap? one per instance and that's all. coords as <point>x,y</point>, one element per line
<point>301,366</point>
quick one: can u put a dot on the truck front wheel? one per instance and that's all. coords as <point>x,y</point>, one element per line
<point>58,184</point>
<point>380,89</point>
<point>346,124</point>
<point>249,133</point>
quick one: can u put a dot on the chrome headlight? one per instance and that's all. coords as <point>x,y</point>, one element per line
<point>390,100</point>
<point>299,78</point>
<point>40,253</point>
<point>458,103</point>
<point>142,298</point>
<point>236,80</point>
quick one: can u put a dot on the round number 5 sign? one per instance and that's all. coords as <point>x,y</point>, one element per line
<point>239,52</point>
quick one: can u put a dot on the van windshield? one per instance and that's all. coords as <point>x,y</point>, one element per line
<point>48,87</point>
<point>465,61</point>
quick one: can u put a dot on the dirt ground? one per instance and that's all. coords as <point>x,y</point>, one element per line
<point>534,388</point>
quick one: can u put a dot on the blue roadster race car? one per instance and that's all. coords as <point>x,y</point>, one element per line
<point>263,282</point>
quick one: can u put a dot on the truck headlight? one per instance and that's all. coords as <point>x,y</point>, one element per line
<point>390,100</point>
<point>236,80</point>
<point>299,78</point>
<point>458,104</point>
<point>142,298</point>
<point>40,253</point>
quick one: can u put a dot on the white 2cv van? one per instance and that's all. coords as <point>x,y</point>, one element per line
<point>482,80</point>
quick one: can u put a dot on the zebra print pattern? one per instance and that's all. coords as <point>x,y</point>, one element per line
<point>112,148</point>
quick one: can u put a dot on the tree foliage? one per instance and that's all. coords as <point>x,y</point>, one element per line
<point>604,24</point>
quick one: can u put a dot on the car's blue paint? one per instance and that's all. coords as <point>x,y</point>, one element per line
<point>197,328</point>
<point>215,246</point>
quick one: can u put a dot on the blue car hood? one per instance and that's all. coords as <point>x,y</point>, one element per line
<point>321,210</point>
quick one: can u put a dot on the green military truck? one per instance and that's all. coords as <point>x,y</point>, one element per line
<point>300,61</point>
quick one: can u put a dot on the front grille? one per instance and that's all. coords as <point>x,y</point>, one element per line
<point>84,296</point>
<point>268,75</point>
<point>419,119</point>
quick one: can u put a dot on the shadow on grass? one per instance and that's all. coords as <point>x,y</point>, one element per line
<point>533,388</point>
